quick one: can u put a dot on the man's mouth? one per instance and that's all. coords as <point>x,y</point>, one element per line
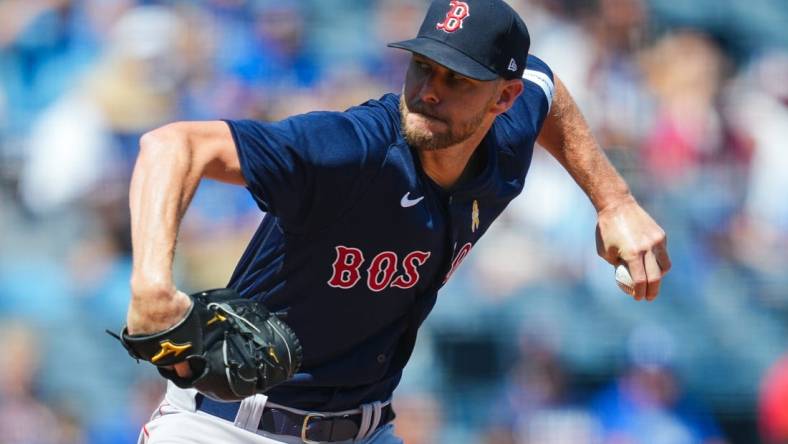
<point>427,115</point>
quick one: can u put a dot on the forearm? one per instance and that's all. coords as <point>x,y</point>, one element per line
<point>567,136</point>
<point>625,232</point>
<point>171,163</point>
<point>164,180</point>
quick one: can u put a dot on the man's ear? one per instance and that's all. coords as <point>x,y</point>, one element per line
<point>510,91</point>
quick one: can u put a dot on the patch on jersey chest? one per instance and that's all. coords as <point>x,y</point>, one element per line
<point>475,216</point>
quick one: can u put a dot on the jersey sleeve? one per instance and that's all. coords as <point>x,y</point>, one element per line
<point>307,169</point>
<point>523,122</point>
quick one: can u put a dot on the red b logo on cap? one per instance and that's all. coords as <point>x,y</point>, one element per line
<point>458,11</point>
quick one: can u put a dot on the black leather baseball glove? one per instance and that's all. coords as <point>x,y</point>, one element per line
<point>234,346</point>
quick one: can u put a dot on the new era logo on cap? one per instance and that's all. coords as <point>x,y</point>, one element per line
<point>480,39</point>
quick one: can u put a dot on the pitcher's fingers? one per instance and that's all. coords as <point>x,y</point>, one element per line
<point>610,255</point>
<point>663,260</point>
<point>639,278</point>
<point>183,369</point>
<point>653,275</point>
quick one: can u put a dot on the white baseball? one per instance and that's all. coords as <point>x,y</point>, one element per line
<point>624,280</point>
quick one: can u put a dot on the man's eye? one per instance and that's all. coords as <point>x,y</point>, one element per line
<point>423,66</point>
<point>458,77</point>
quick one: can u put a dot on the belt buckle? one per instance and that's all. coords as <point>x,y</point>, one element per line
<point>305,424</point>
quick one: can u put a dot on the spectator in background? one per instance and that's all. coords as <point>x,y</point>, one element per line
<point>280,58</point>
<point>130,91</point>
<point>559,26</point>
<point>619,109</point>
<point>122,426</point>
<point>45,48</point>
<point>773,404</point>
<point>601,68</point>
<point>766,115</point>
<point>757,105</point>
<point>261,49</point>
<point>646,404</point>
<point>24,419</point>
<point>537,405</point>
<point>68,264</point>
<point>419,418</point>
<point>388,65</point>
<point>38,57</point>
<point>684,72</point>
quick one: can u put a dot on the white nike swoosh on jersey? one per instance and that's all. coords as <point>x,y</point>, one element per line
<point>408,202</point>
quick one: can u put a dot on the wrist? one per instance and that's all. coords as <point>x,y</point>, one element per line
<point>151,285</point>
<point>151,315</point>
<point>613,202</point>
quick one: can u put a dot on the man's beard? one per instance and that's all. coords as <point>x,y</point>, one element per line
<point>431,141</point>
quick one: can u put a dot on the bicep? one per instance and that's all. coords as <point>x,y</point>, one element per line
<point>213,148</point>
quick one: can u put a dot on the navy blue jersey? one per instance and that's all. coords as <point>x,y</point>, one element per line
<point>357,240</point>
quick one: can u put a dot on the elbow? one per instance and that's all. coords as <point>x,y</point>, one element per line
<point>166,147</point>
<point>198,149</point>
<point>165,138</point>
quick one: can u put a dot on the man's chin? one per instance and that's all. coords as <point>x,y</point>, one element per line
<point>425,140</point>
<point>425,133</point>
<point>429,132</point>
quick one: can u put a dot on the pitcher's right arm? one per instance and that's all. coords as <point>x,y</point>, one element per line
<point>171,162</point>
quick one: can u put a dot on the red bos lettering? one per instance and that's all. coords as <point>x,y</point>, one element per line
<point>345,267</point>
<point>382,270</point>
<point>411,264</point>
<point>379,275</point>
<point>458,260</point>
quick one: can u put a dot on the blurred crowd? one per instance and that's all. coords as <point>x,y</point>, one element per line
<point>531,342</point>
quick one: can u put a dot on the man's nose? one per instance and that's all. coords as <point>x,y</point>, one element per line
<point>429,90</point>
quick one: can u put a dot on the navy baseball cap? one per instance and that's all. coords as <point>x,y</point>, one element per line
<point>480,39</point>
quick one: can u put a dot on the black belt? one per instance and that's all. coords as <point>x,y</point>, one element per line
<point>315,426</point>
<point>312,427</point>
